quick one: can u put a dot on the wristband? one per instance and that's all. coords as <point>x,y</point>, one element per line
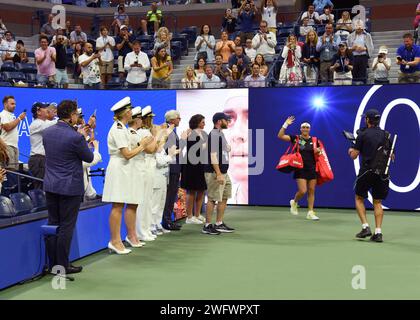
<point>285,125</point>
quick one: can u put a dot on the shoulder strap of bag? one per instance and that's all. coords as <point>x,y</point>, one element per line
<point>296,146</point>
<point>315,144</point>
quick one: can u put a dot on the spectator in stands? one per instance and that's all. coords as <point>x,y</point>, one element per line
<point>190,81</point>
<point>163,39</point>
<point>89,63</point>
<point>259,59</point>
<point>119,18</point>
<point>240,60</point>
<point>154,19</point>
<point>264,42</point>
<point>127,23</point>
<point>249,50</point>
<point>305,27</point>
<point>162,69</point>
<point>344,25</point>
<point>61,78</point>
<point>229,22</point>
<point>77,36</point>
<point>408,58</point>
<point>255,79</point>
<point>361,45</point>
<point>312,15</point>
<point>311,58</point>
<point>327,47</point>
<point>45,58</point>
<point>9,132</point>
<point>327,16</point>
<point>59,32</point>
<point>105,44</point>
<point>220,68</point>
<point>199,70</point>
<point>291,71</point>
<point>124,44</point>
<point>209,80</point>
<point>225,47</point>
<point>135,4</point>
<point>21,56</point>
<point>47,29</point>
<point>246,14</point>
<point>36,161</point>
<point>381,66</point>
<point>205,44</point>
<point>68,29</point>
<point>237,41</point>
<point>268,10</point>
<point>3,28</point>
<point>136,64</point>
<point>235,78</point>
<point>321,4</point>
<point>342,66</point>
<point>417,24</point>
<point>8,47</point>
<point>78,51</point>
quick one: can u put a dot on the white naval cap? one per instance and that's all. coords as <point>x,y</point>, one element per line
<point>122,104</point>
<point>147,111</point>
<point>136,112</point>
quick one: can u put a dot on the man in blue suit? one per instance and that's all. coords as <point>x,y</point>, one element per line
<point>65,149</point>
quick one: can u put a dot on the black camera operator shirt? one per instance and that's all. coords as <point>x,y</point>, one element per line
<point>367,142</point>
<point>306,148</point>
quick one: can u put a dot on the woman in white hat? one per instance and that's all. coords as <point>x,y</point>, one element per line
<point>145,210</point>
<point>381,66</point>
<point>119,181</point>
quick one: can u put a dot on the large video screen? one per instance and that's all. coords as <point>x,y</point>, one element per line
<point>331,110</point>
<point>255,152</point>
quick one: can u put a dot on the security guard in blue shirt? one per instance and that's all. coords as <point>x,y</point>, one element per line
<point>367,143</point>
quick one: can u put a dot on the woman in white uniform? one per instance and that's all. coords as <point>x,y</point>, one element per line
<point>144,211</point>
<point>119,181</point>
<point>160,183</point>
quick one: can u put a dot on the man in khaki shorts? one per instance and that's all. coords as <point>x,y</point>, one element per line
<point>219,186</point>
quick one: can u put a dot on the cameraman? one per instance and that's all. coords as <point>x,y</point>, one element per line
<point>367,143</point>
<point>381,66</point>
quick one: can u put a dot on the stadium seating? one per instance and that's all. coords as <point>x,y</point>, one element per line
<point>8,66</point>
<point>7,209</point>
<point>22,203</point>
<point>38,198</point>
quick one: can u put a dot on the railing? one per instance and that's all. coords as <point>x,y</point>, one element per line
<point>8,187</point>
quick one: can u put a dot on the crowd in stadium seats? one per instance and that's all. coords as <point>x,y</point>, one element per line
<point>324,46</point>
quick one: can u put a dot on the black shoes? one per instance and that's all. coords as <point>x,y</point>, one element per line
<point>224,228</point>
<point>364,233</point>
<point>210,229</point>
<point>72,269</point>
<point>376,237</point>
<point>173,226</point>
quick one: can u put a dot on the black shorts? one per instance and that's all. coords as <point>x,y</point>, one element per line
<point>306,174</point>
<point>369,181</point>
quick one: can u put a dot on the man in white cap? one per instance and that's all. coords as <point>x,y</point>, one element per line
<point>381,66</point>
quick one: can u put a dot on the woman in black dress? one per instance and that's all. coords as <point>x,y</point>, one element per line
<point>192,174</point>
<point>306,177</point>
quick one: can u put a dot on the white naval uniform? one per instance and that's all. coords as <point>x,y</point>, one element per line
<point>147,163</point>
<point>119,179</point>
<point>160,184</point>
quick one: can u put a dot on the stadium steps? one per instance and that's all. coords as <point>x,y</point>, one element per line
<point>179,69</point>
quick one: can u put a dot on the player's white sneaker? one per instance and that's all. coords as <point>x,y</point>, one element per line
<point>312,216</point>
<point>294,207</point>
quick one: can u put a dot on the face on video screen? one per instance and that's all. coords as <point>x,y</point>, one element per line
<point>233,102</point>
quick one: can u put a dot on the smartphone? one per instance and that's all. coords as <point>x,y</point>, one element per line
<point>24,110</point>
<point>399,58</point>
<point>94,114</point>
